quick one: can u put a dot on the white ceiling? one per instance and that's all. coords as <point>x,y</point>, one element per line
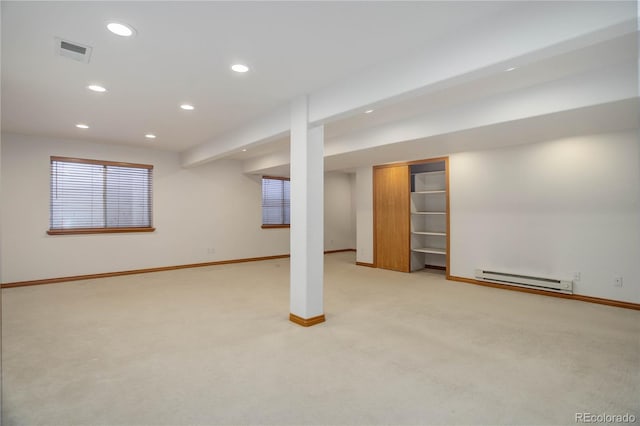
<point>182,53</point>
<point>617,53</point>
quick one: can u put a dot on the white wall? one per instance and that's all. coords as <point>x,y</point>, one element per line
<point>550,208</point>
<point>553,209</point>
<point>364,214</point>
<point>339,232</point>
<point>202,214</point>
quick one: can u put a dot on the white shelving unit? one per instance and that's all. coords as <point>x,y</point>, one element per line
<point>428,215</point>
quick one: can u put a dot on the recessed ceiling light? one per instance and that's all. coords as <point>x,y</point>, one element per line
<point>82,126</point>
<point>369,111</point>
<point>244,150</point>
<point>96,88</point>
<point>120,29</point>
<point>187,107</point>
<point>510,69</point>
<point>240,68</point>
<point>150,136</point>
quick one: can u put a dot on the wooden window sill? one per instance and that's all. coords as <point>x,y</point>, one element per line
<point>275,226</point>
<point>97,231</point>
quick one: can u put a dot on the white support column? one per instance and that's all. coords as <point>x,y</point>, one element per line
<point>307,217</point>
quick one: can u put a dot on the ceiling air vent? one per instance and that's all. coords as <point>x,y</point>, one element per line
<point>72,50</point>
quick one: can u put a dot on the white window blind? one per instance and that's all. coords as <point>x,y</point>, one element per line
<point>276,201</point>
<point>93,194</point>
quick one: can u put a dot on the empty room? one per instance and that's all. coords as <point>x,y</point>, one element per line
<point>320,213</point>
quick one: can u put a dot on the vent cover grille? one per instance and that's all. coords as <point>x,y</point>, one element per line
<point>72,50</point>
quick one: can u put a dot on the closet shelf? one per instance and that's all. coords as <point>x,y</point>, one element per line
<point>428,212</point>
<point>439,172</point>
<point>430,250</point>
<point>440,234</point>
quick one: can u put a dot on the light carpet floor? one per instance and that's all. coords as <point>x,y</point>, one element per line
<point>213,345</point>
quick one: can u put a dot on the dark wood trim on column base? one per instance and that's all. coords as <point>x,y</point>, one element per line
<point>369,265</point>
<point>590,299</point>
<point>306,322</point>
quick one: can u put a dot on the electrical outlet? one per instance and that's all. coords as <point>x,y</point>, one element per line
<point>576,276</point>
<point>617,281</point>
<point>211,250</point>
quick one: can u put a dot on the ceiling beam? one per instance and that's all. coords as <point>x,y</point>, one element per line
<point>624,116</point>
<point>262,130</point>
<point>606,85</point>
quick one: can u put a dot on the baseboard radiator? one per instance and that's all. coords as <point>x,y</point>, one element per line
<point>540,283</point>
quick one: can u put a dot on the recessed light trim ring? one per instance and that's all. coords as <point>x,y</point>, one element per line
<point>240,68</point>
<point>96,88</point>
<point>121,29</point>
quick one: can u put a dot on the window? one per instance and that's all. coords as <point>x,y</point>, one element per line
<point>91,196</point>
<point>276,202</point>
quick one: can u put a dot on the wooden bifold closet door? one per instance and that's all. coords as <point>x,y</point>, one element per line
<point>391,217</point>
